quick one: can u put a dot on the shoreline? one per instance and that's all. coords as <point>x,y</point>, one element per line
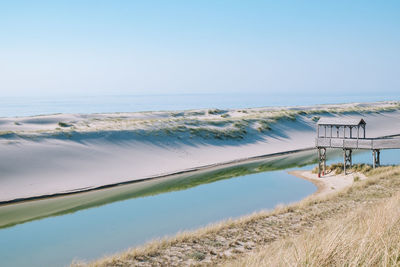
<point>59,155</point>
<point>242,236</point>
<point>319,184</point>
<point>186,171</point>
<point>330,183</point>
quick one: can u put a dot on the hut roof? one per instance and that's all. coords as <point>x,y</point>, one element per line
<point>341,121</point>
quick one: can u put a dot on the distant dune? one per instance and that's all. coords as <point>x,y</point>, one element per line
<point>61,153</point>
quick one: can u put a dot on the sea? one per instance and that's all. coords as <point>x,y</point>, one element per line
<point>86,104</point>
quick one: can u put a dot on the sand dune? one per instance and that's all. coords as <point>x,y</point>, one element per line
<point>52,154</point>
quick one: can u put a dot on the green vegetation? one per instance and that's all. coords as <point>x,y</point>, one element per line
<point>216,111</point>
<point>6,133</point>
<point>178,114</point>
<point>264,126</point>
<point>338,168</point>
<point>216,123</point>
<point>195,113</point>
<point>315,118</point>
<point>63,124</point>
<point>199,256</point>
<point>228,125</point>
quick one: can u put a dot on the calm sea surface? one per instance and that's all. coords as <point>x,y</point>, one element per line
<point>28,106</point>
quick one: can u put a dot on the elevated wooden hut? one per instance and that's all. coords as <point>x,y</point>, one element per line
<point>341,128</point>
<point>335,132</point>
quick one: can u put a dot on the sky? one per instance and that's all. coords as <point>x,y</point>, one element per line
<point>96,47</point>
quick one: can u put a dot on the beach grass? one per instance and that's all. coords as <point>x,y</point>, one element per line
<point>363,237</point>
<point>338,168</point>
<point>208,124</point>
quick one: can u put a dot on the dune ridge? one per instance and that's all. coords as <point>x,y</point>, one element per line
<point>61,153</point>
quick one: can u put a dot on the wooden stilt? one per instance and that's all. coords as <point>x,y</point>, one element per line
<point>376,154</point>
<point>321,161</point>
<point>347,158</point>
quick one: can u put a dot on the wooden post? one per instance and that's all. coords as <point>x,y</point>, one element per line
<point>373,159</point>
<point>358,133</point>
<point>376,154</point>
<point>378,162</point>
<point>318,131</point>
<point>347,157</point>
<point>351,158</point>
<point>321,161</point>
<point>364,130</point>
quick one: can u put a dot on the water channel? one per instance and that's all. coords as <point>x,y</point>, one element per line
<point>86,226</point>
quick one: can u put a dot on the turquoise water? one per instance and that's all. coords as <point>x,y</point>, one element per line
<point>92,233</point>
<point>27,106</point>
<point>106,228</point>
<point>388,157</point>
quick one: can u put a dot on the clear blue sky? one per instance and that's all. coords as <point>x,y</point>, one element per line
<point>139,47</point>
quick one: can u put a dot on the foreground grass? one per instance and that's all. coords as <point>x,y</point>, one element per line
<point>340,229</point>
<point>364,237</point>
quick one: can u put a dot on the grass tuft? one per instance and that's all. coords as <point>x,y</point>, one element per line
<point>64,124</point>
<point>216,111</point>
<point>338,168</point>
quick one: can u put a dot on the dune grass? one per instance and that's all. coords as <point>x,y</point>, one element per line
<point>213,124</point>
<point>245,241</point>
<point>64,124</point>
<point>364,237</point>
<point>338,168</point>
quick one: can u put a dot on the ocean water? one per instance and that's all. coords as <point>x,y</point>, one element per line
<point>29,106</point>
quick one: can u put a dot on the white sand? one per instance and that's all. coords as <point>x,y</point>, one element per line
<point>35,160</point>
<point>331,182</point>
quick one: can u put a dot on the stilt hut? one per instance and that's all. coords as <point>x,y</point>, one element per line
<point>333,132</point>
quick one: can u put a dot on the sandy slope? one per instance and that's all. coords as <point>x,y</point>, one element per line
<point>40,157</point>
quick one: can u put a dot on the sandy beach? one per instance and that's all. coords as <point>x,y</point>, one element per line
<point>62,153</point>
<point>331,182</point>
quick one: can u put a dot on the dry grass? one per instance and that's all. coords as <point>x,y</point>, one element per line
<point>206,124</point>
<point>364,237</point>
<point>335,223</point>
<point>338,168</point>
